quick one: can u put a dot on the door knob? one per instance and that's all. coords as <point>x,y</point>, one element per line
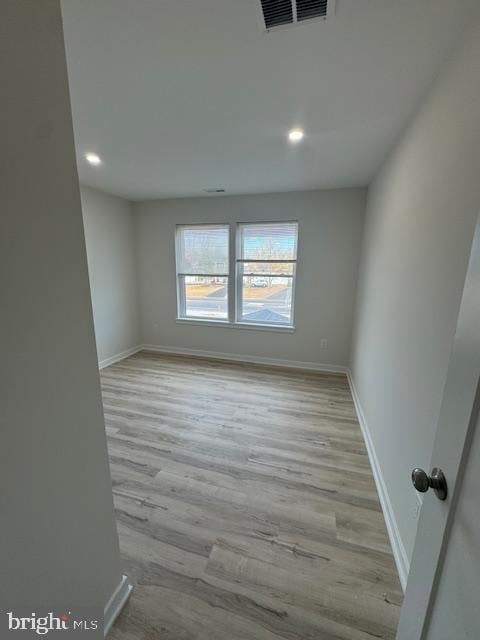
<point>423,482</point>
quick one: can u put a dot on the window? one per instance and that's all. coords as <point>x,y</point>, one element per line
<point>266,261</point>
<point>202,271</point>
<point>254,287</point>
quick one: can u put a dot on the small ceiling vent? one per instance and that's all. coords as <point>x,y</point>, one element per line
<point>280,13</point>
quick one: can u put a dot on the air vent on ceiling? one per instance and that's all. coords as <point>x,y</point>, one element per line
<point>279,13</point>
<point>214,190</point>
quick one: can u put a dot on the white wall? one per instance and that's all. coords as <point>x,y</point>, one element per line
<point>58,538</point>
<point>330,230</point>
<point>421,215</point>
<point>110,240</point>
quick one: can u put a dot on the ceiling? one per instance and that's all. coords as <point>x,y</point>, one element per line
<point>179,96</point>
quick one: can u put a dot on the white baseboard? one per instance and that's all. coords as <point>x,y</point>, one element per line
<point>118,356</point>
<point>116,603</point>
<point>399,553</point>
<point>274,362</point>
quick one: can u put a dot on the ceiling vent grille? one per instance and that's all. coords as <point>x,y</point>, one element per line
<point>307,9</point>
<point>277,12</point>
<point>280,13</point>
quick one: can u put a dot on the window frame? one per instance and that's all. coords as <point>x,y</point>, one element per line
<point>180,275</point>
<point>234,280</point>
<point>239,275</point>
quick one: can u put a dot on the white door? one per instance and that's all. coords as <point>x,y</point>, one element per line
<point>435,605</point>
<point>456,610</point>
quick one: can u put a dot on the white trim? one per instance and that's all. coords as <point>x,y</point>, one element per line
<point>116,603</point>
<point>236,325</point>
<point>234,357</point>
<point>399,553</point>
<point>118,356</point>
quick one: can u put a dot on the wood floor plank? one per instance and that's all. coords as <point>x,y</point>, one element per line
<point>245,504</point>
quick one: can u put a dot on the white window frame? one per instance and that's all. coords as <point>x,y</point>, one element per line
<point>238,275</point>
<point>180,275</point>
<point>235,284</point>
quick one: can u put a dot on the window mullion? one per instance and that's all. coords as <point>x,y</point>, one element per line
<point>266,261</point>
<point>232,254</point>
<point>181,296</point>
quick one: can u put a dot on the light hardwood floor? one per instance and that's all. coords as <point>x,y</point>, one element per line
<point>245,503</point>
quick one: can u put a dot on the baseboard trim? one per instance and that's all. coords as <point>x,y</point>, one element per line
<point>399,553</point>
<point>118,356</point>
<point>234,357</point>
<point>116,604</point>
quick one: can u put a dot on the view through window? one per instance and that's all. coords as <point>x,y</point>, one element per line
<point>259,279</point>
<point>203,270</point>
<point>266,260</point>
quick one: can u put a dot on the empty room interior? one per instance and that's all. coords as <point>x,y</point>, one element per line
<point>240,272</point>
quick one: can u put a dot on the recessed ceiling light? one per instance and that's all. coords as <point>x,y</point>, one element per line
<point>295,135</point>
<point>92,158</point>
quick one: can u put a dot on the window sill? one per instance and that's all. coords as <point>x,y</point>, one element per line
<point>236,325</point>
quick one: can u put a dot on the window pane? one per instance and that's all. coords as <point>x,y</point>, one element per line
<point>269,241</point>
<point>268,268</point>
<point>202,249</point>
<point>206,297</point>
<point>266,300</point>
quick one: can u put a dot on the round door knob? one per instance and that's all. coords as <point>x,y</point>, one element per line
<point>423,482</point>
<point>420,480</point>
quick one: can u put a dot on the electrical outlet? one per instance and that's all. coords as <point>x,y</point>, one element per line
<point>323,343</point>
<point>155,327</point>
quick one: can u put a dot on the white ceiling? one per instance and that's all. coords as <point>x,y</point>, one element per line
<point>178,96</point>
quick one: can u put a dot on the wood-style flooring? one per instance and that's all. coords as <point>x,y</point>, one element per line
<point>245,503</point>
